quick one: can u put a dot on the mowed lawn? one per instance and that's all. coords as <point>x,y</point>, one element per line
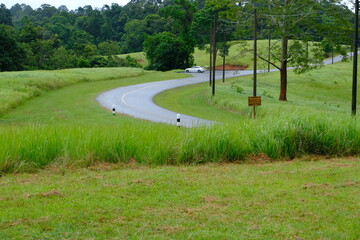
<point>302,199</point>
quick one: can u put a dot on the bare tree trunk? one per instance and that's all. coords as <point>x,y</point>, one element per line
<point>283,69</point>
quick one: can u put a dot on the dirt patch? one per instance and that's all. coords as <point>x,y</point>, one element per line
<point>171,229</point>
<point>316,186</point>
<point>103,166</point>
<point>28,221</point>
<point>143,182</point>
<point>52,193</point>
<point>232,67</point>
<point>258,159</point>
<point>347,184</point>
<point>210,199</point>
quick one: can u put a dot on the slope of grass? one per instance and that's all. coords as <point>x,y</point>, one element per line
<point>18,87</point>
<point>76,104</point>
<point>286,200</point>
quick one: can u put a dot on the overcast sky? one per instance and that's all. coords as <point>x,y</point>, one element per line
<point>74,4</point>
<point>70,4</point>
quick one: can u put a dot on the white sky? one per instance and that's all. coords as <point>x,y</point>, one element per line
<point>70,4</point>
<point>74,4</point>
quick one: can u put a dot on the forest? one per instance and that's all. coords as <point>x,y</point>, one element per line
<point>56,38</point>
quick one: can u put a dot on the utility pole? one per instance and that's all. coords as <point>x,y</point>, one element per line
<point>269,53</point>
<point>214,54</point>
<point>224,52</point>
<point>211,52</point>
<point>255,59</point>
<point>255,52</point>
<point>355,62</point>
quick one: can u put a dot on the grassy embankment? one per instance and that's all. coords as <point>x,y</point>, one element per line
<point>18,87</point>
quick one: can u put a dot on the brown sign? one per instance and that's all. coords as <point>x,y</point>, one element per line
<point>254,101</point>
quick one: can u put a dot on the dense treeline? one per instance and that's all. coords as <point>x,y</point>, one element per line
<point>56,38</point>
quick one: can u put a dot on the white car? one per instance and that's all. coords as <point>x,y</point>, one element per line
<point>196,69</point>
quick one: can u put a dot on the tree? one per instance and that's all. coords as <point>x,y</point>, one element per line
<point>166,51</point>
<point>109,48</point>
<point>288,19</point>
<point>134,36</point>
<point>11,54</point>
<point>5,15</point>
<point>61,58</point>
<point>182,12</point>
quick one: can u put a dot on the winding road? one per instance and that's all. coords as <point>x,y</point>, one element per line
<point>137,100</point>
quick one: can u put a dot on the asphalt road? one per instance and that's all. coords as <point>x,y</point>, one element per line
<point>137,100</point>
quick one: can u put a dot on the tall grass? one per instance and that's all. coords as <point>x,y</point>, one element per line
<point>18,87</point>
<point>30,147</point>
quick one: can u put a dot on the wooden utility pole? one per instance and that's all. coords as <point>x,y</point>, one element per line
<point>255,58</point>
<point>255,52</point>
<point>224,52</point>
<point>214,54</point>
<point>355,62</point>
<point>211,51</point>
<point>269,53</point>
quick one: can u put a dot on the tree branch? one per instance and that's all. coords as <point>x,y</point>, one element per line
<point>268,62</point>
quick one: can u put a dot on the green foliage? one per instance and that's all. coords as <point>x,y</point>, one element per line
<point>109,48</point>
<point>11,53</point>
<point>165,51</point>
<point>135,34</point>
<point>61,59</point>
<point>5,15</point>
<point>132,62</point>
<point>88,32</point>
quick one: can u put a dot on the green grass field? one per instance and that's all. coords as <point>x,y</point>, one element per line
<point>286,200</point>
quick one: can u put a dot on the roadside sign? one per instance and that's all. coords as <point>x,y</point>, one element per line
<point>254,101</point>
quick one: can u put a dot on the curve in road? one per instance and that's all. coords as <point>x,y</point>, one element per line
<point>137,100</point>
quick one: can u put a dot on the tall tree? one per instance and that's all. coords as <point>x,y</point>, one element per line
<point>11,54</point>
<point>166,51</point>
<point>288,18</point>
<point>135,32</point>
<point>5,15</point>
<point>182,12</point>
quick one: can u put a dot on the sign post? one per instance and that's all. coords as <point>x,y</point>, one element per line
<point>254,101</point>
